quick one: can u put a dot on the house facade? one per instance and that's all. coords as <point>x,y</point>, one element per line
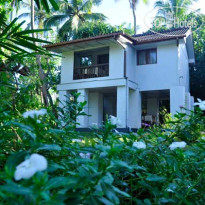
<point>130,77</point>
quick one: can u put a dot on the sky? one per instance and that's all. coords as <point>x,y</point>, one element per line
<point>118,12</point>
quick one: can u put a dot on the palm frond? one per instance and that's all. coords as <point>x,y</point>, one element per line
<point>65,29</point>
<point>54,20</point>
<point>86,6</point>
<point>23,15</point>
<point>94,16</point>
<point>15,42</point>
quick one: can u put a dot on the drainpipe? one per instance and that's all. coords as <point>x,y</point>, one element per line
<point>125,75</point>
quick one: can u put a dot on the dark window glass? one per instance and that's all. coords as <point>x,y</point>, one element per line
<point>141,57</point>
<point>86,61</point>
<point>103,59</point>
<point>147,57</point>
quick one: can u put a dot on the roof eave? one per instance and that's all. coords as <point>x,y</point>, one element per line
<point>78,41</point>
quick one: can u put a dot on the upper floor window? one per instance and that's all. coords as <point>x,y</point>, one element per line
<point>148,56</point>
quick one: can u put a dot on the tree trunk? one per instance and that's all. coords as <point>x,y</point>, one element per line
<point>32,16</point>
<point>135,20</point>
<point>41,73</point>
<point>42,77</point>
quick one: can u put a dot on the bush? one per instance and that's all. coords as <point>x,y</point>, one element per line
<point>102,167</point>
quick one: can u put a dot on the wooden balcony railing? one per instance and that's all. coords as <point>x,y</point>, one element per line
<point>95,71</point>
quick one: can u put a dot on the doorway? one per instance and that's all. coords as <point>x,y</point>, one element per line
<point>109,105</point>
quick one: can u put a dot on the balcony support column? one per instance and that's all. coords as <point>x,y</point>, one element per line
<point>83,120</point>
<point>63,97</point>
<point>122,105</point>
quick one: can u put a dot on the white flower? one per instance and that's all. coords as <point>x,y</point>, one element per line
<point>33,113</point>
<point>175,145</point>
<point>200,103</point>
<point>85,155</point>
<point>169,190</point>
<point>114,120</point>
<point>139,145</point>
<point>29,167</point>
<point>116,131</point>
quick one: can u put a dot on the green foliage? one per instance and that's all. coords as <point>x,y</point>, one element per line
<point>197,73</point>
<point>116,173</point>
<point>72,15</point>
<point>91,29</point>
<point>188,127</point>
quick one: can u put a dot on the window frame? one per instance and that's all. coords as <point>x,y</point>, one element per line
<point>146,55</point>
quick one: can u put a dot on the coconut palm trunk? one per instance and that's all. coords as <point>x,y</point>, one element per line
<point>41,73</point>
<point>135,21</point>
<point>133,5</point>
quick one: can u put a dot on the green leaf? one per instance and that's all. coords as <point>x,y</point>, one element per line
<point>4,33</point>
<point>15,189</point>
<point>15,160</point>
<point>155,178</point>
<point>56,182</point>
<point>110,193</point>
<point>54,4</point>
<point>50,147</point>
<point>30,32</point>
<point>35,39</point>
<point>119,163</point>
<point>105,201</point>
<point>166,200</point>
<point>15,29</point>
<point>26,129</point>
<point>121,192</point>
<point>147,202</point>
<point>56,131</point>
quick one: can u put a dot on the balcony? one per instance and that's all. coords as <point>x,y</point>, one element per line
<point>94,71</point>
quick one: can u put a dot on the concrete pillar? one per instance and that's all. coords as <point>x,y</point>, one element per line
<point>177,99</point>
<point>122,105</point>
<point>188,101</point>
<point>83,120</point>
<point>63,97</point>
<point>135,109</point>
<point>192,103</point>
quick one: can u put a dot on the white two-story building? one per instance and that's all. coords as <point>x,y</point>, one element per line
<point>130,77</point>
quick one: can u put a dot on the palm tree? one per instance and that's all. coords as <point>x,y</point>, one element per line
<point>38,15</point>
<point>73,14</point>
<point>178,8</point>
<point>133,5</point>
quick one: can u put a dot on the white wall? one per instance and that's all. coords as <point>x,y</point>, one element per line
<point>177,99</point>
<point>162,75</point>
<point>183,66</point>
<point>67,67</point>
<point>116,66</point>
<point>131,63</point>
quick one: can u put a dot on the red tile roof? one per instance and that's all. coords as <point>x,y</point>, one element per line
<point>160,36</point>
<point>136,39</point>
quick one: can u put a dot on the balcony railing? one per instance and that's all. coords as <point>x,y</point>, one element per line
<point>95,71</point>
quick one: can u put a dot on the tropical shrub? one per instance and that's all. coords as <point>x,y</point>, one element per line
<point>45,161</point>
